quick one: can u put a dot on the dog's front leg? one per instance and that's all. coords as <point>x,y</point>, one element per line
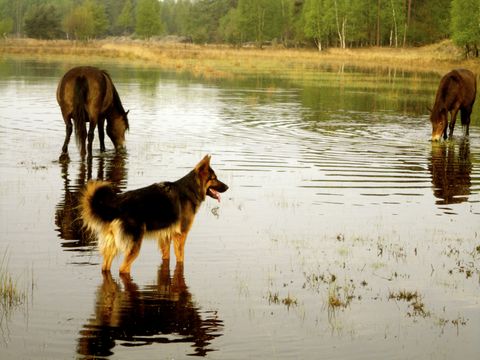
<point>164,244</point>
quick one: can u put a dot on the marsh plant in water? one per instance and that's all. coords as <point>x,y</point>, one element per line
<point>11,295</point>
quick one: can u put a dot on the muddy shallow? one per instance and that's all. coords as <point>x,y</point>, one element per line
<point>345,233</point>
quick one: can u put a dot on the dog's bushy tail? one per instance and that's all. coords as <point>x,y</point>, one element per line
<point>98,205</point>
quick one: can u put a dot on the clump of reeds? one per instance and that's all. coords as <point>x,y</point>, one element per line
<point>288,301</point>
<point>340,296</point>
<point>415,300</point>
<point>11,295</point>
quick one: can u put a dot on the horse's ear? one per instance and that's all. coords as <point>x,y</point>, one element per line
<point>126,113</point>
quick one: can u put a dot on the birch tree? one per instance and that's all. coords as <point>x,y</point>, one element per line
<point>315,22</point>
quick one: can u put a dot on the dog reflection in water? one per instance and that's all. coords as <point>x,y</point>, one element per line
<point>164,313</point>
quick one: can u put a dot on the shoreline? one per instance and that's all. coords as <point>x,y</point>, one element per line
<point>220,61</point>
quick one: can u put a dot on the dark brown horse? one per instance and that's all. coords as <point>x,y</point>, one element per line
<point>87,94</point>
<point>457,91</point>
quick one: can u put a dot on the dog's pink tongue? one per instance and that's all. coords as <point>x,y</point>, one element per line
<point>215,194</point>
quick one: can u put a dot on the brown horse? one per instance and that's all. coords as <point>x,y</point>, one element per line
<point>87,94</point>
<point>457,91</point>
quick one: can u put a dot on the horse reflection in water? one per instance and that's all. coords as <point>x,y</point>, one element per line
<point>67,218</point>
<point>451,171</point>
<point>163,313</point>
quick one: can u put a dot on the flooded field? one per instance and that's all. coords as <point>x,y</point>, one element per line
<point>345,233</point>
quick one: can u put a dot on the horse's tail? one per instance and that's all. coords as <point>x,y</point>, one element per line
<point>80,114</point>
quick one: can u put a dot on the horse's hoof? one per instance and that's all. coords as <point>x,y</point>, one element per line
<point>64,157</point>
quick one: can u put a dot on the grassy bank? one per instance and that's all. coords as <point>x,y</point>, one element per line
<point>223,61</point>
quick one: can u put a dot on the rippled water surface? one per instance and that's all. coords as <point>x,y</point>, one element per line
<point>345,233</point>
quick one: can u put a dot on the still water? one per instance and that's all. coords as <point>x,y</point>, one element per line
<point>345,233</point>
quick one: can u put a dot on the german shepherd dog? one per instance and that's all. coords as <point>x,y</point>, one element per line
<point>163,210</point>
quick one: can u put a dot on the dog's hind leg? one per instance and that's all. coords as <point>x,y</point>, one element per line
<point>179,246</point>
<point>108,250</point>
<point>130,255</point>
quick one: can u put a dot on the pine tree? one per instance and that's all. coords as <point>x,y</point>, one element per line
<point>42,22</point>
<point>125,23</point>
<point>148,19</point>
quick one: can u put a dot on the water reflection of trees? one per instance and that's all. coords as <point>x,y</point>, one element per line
<point>162,313</point>
<point>69,225</point>
<point>450,167</point>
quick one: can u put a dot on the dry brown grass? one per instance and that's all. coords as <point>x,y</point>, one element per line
<point>216,61</point>
<point>11,296</point>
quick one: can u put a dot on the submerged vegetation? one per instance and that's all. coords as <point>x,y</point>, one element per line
<point>12,295</point>
<point>355,279</point>
<point>415,300</point>
<point>288,301</point>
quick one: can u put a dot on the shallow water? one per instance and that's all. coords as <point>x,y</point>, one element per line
<point>337,203</point>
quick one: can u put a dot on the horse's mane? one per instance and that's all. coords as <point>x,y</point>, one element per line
<point>117,103</point>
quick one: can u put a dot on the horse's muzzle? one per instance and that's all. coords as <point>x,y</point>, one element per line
<point>120,147</point>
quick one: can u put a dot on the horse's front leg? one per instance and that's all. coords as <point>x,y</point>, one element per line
<point>465,116</point>
<point>68,134</point>
<point>101,133</point>
<point>91,136</point>
<point>452,122</point>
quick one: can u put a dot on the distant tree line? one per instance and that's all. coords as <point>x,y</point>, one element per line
<point>320,23</point>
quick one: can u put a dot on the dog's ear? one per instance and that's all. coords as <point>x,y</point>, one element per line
<point>203,166</point>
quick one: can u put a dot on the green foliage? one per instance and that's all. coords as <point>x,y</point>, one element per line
<point>259,20</point>
<point>230,27</point>
<point>286,20</point>
<point>205,18</point>
<point>316,24</point>
<point>148,19</point>
<point>176,15</point>
<point>43,22</point>
<point>100,20</point>
<point>325,23</point>
<point>6,26</point>
<point>125,23</point>
<point>78,24</point>
<point>86,21</point>
<point>465,25</point>
<point>313,24</point>
<point>429,22</point>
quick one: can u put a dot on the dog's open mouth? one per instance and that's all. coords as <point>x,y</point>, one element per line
<point>213,194</point>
